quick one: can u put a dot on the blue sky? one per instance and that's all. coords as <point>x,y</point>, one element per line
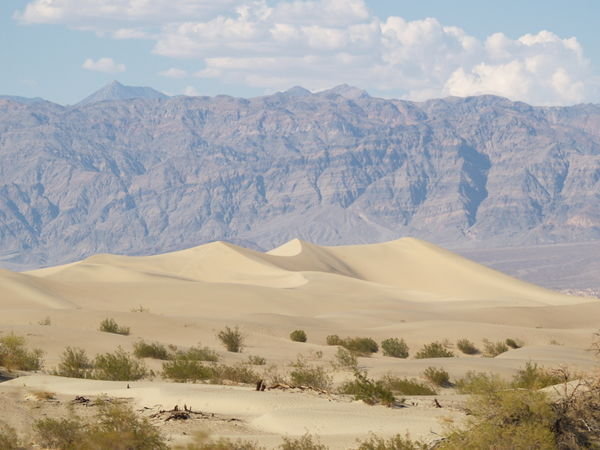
<point>541,52</point>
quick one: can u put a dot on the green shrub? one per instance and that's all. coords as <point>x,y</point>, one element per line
<point>238,374</point>
<point>305,442</point>
<point>534,377</point>
<point>513,343</point>
<point>345,359</point>
<point>8,438</point>
<point>202,441</point>
<point>369,391</point>
<point>395,347</point>
<point>333,339</point>
<point>256,360</point>
<point>183,370</point>
<point>110,326</point>
<point>404,386</point>
<point>397,442</point>
<point>480,383</point>
<point>437,376</point>
<point>304,374</point>
<point>467,347</point>
<point>232,339</point>
<point>434,350</point>
<point>298,336</point>
<point>74,363</point>
<point>155,350</point>
<point>197,354</point>
<point>15,356</point>
<point>64,434</point>
<point>362,346</point>
<point>118,366</point>
<point>493,349</point>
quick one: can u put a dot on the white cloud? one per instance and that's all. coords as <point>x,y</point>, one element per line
<point>319,43</point>
<point>174,73</point>
<point>107,65</point>
<point>191,91</point>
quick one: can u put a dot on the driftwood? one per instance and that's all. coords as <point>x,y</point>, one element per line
<point>286,387</point>
<point>81,400</point>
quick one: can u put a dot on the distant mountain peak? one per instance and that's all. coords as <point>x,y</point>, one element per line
<point>346,91</point>
<point>298,91</point>
<point>117,91</point>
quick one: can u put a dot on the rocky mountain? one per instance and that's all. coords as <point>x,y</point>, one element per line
<point>24,100</point>
<point>117,91</point>
<point>150,175</point>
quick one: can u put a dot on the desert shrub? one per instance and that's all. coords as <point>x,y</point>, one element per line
<point>256,360</point>
<point>304,374</point>
<point>305,442</point>
<point>238,374</point>
<point>64,434</point>
<point>437,376</point>
<point>467,347</point>
<point>156,350</point>
<point>434,350</point>
<point>362,346</point>
<point>480,383</point>
<point>333,339</point>
<point>110,326</point>
<point>404,386</point>
<point>232,339</point>
<point>506,437</point>
<point>203,441</point>
<point>493,349</point>
<point>298,336</point>
<point>369,391</point>
<point>118,366</point>
<point>8,438</point>
<point>183,370</point>
<point>397,442</point>
<point>15,356</point>
<point>74,363</point>
<point>513,343</point>
<point>197,354</point>
<point>345,359</point>
<point>394,347</point>
<point>534,377</point>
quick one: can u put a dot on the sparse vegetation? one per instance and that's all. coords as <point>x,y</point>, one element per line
<point>184,370</point>
<point>196,354</point>
<point>118,366</point>
<point>434,350</point>
<point>305,442</point>
<point>369,391</point>
<point>238,374</point>
<point>255,360</point>
<point>110,326</point>
<point>232,339</point>
<point>404,386</point>
<point>394,347</point>
<point>64,433</point>
<point>14,355</point>
<point>480,383</point>
<point>534,377</point>
<point>298,336</point>
<point>493,349</point>
<point>513,343</point>
<point>467,347</point>
<point>203,441</point>
<point>362,346</point>
<point>45,321</point>
<point>397,442</point>
<point>437,376</point>
<point>142,349</point>
<point>304,374</point>
<point>8,438</point>
<point>74,363</point>
<point>333,339</point>
<point>345,359</point>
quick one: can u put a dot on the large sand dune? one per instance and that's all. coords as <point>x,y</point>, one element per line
<point>406,288</point>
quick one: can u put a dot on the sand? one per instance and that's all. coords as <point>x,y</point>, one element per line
<point>406,288</point>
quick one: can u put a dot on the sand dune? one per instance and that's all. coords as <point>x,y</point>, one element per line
<point>406,288</point>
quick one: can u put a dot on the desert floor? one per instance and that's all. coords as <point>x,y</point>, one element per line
<point>408,289</point>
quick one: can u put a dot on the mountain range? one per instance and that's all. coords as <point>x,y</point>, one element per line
<point>132,171</point>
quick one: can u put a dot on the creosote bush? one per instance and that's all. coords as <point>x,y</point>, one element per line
<point>305,374</point>
<point>305,442</point>
<point>65,433</point>
<point>370,391</point>
<point>345,359</point>
<point>333,339</point>
<point>15,356</point>
<point>394,347</point>
<point>142,349</point>
<point>534,377</point>
<point>239,373</point>
<point>493,349</point>
<point>74,363</point>
<point>110,326</point>
<point>397,442</point>
<point>203,441</point>
<point>118,366</point>
<point>437,376</point>
<point>8,438</point>
<point>255,360</point>
<point>513,343</point>
<point>184,370</point>
<point>404,386</point>
<point>196,354</point>
<point>480,383</point>
<point>232,339</point>
<point>467,347</point>
<point>361,346</point>
<point>298,336</point>
<point>434,350</point>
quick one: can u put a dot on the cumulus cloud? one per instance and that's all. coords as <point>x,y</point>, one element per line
<point>107,65</point>
<point>173,72</point>
<point>318,43</point>
<point>191,91</point>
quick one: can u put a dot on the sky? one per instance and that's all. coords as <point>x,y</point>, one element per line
<point>543,52</point>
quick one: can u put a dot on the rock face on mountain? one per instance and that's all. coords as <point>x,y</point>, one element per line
<point>118,91</point>
<point>150,175</point>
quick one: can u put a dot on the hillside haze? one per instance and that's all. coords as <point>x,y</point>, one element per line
<point>147,175</point>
